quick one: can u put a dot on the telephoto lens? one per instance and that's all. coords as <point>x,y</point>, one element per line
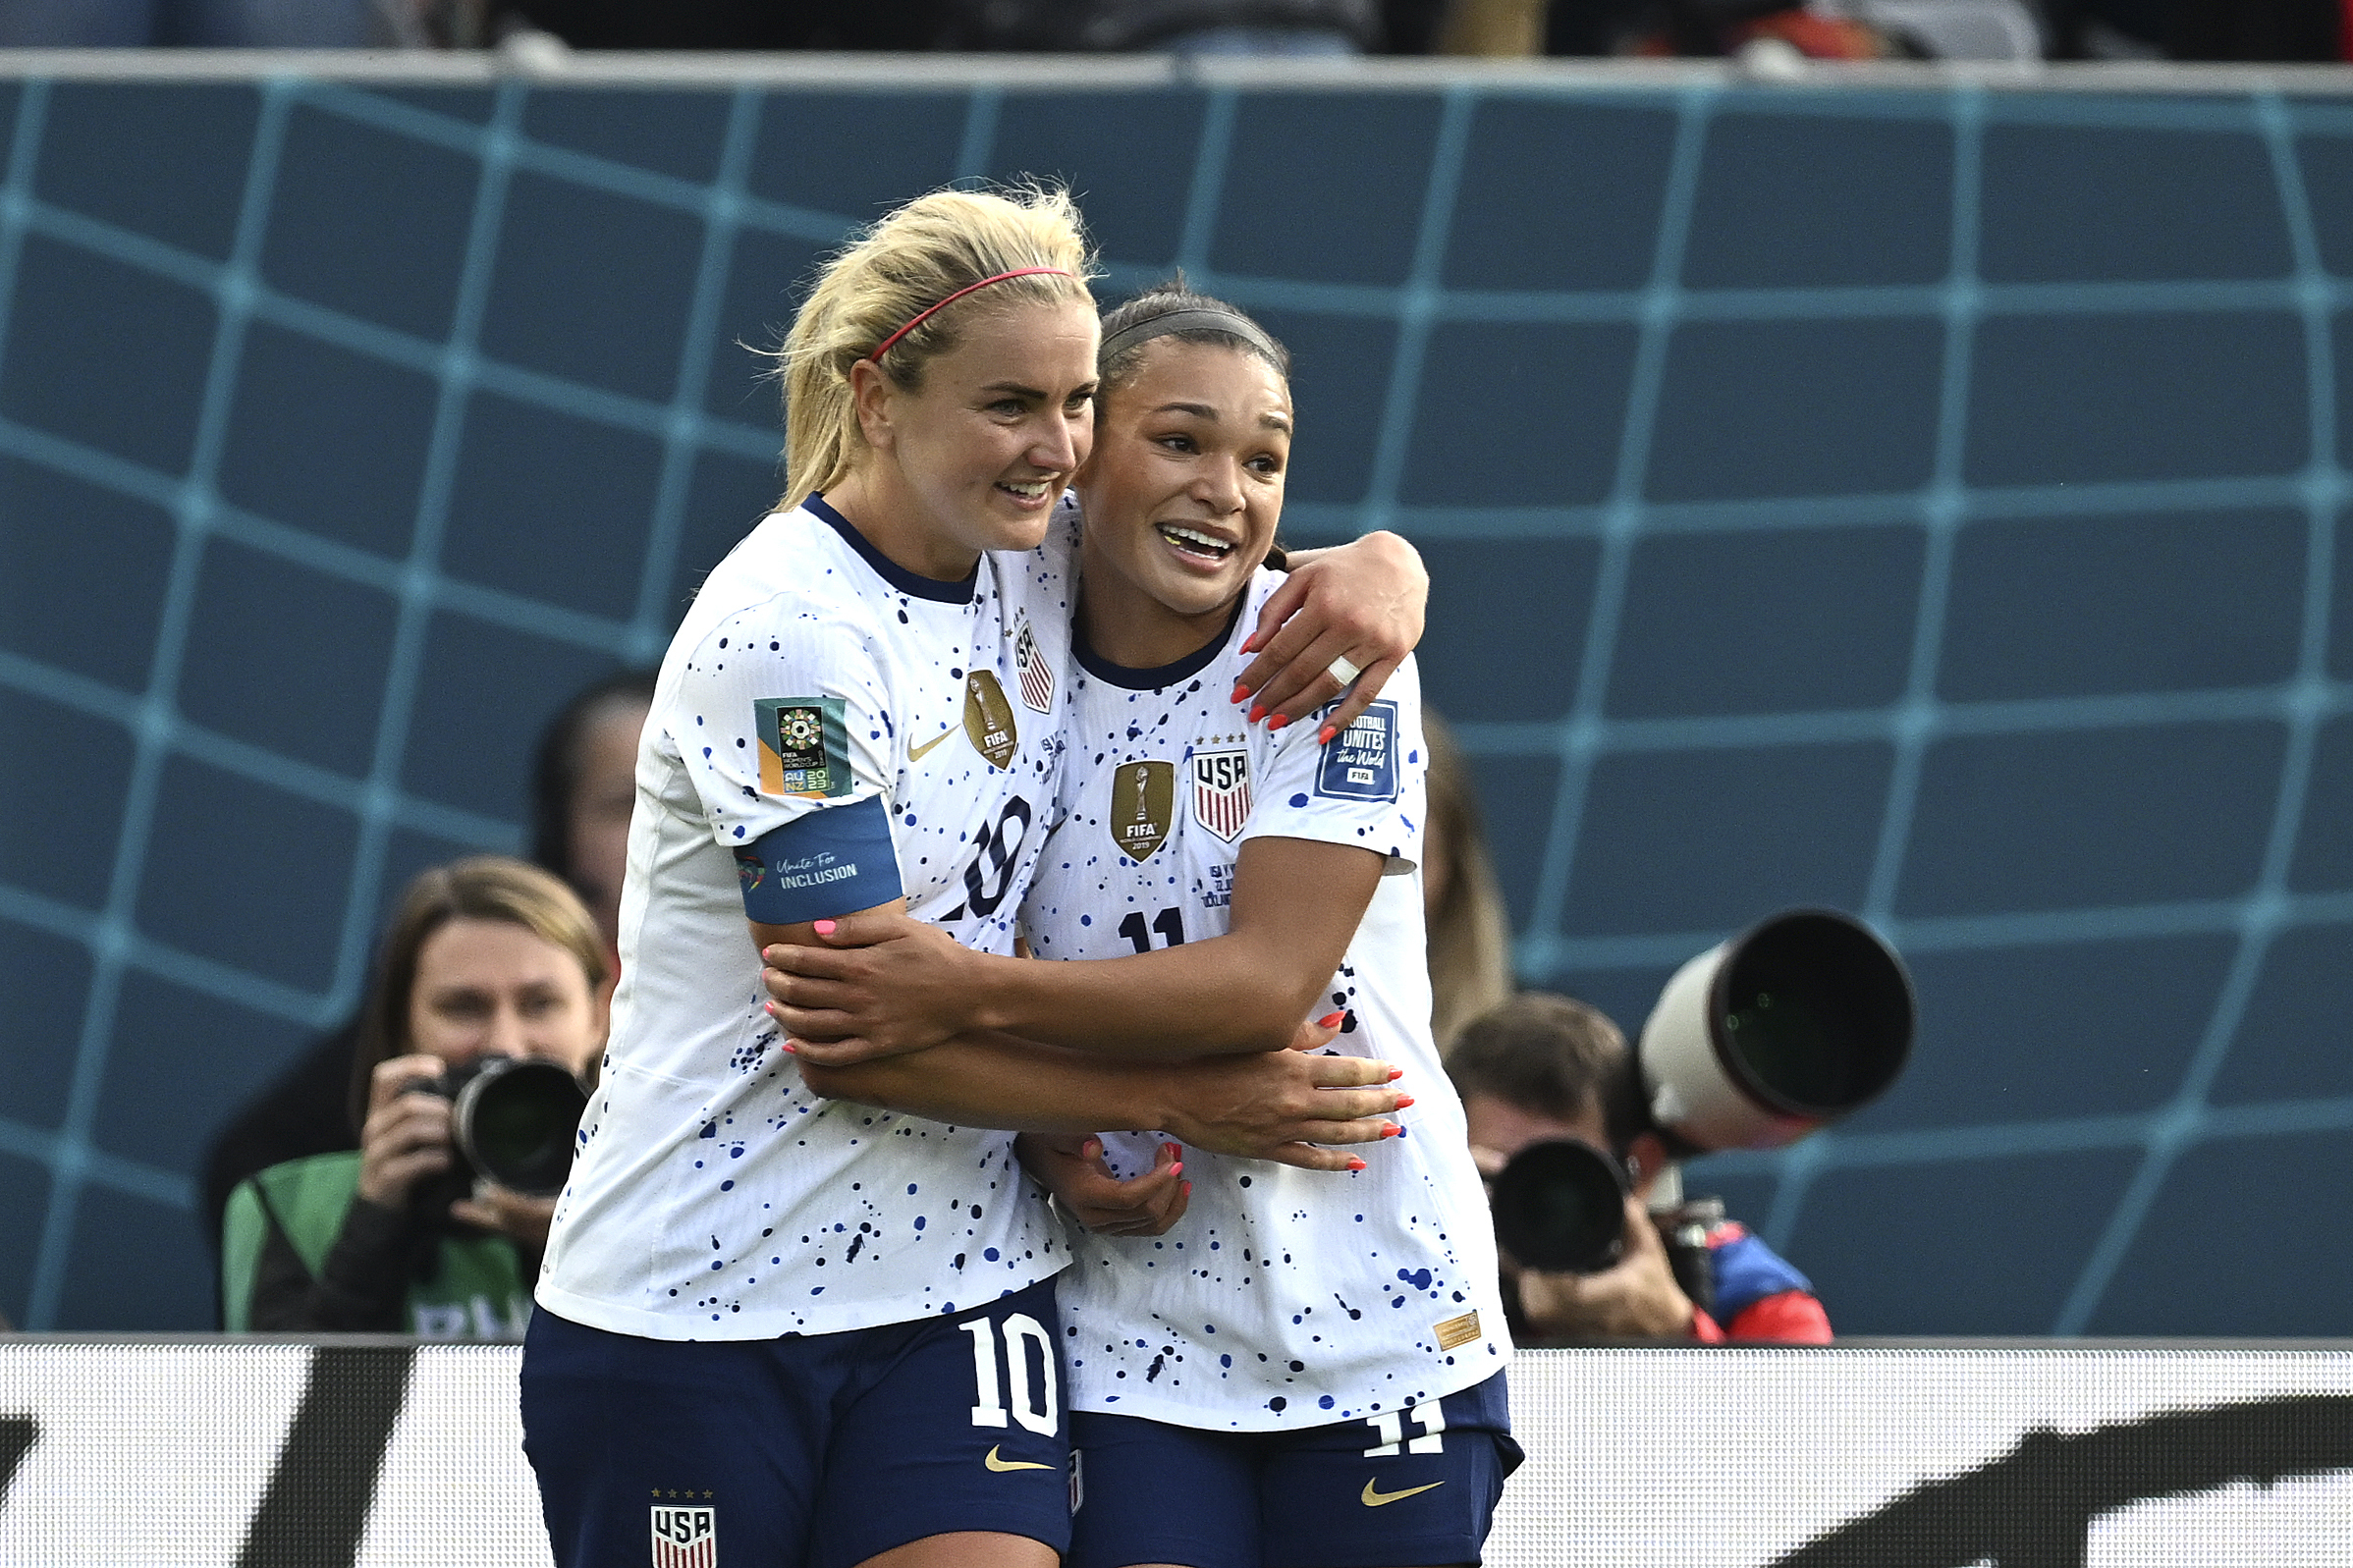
<point>515,1121</point>
<point>1560,1206</point>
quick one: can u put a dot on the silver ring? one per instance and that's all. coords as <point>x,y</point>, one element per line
<point>1343,672</point>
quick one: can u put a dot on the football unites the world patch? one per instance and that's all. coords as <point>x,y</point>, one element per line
<point>685,1536</point>
<point>804,746</point>
<point>1037,676</point>
<point>1144,806</point>
<point>1222,789</point>
<point>1361,761</point>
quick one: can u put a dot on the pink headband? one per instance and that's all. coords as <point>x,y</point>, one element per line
<point>1019,272</point>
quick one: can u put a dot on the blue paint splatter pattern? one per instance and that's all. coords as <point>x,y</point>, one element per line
<point>1283,1298</point>
<point>714,1196</point>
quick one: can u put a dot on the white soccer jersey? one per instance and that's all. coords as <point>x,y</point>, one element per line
<point>1284,1297</point>
<point>715,1196</point>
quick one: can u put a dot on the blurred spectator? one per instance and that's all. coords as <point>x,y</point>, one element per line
<point>1666,27</point>
<point>488,957</point>
<point>208,24</point>
<point>1182,26</point>
<point>583,782</point>
<point>903,25</point>
<point>1545,1066</point>
<point>584,787</point>
<point>2200,29</point>
<point>1470,931</point>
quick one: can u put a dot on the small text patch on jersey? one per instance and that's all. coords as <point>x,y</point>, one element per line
<point>1222,789</point>
<point>1360,763</point>
<point>989,719</point>
<point>1143,804</point>
<point>804,746</point>
<point>1037,676</point>
<point>685,1536</point>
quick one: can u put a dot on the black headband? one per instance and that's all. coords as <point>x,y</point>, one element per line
<point>1189,318</point>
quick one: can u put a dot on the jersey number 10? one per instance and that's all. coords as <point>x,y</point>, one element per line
<point>1033,1401</point>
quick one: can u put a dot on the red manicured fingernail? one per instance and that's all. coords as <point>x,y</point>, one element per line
<point>1330,1020</point>
<point>1323,736</point>
<point>1173,1149</point>
<point>1276,723</point>
<point>790,1047</point>
<point>1176,1169</point>
<point>1188,1189</point>
<point>1395,1074</point>
<point>1390,1129</point>
<point>1404,1100</point>
<point>824,928</point>
<point>1241,692</point>
<point>1258,711</point>
<point>1355,1163</point>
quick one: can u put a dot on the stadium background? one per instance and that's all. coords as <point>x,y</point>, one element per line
<point>1916,497</point>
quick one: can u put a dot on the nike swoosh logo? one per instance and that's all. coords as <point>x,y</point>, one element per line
<point>1373,1499</point>
<point>994,1463</point>
<point>915,753</point>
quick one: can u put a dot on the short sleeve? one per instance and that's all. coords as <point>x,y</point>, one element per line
<point>779,711</point>
<point>1365,789</point>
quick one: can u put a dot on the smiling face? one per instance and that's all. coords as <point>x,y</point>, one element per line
<point>974,457</point>
<point>1181,496</point>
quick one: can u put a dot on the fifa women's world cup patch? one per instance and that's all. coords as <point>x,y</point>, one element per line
<point>989,719</point>
<point>1037,676</point>
<point>1361,761</point>
<point>686,1535</point>
<point>804,746</point>
<point>1222,789</point>
<point>1143,806</point>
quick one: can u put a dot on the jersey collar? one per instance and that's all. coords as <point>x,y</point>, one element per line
<point>1184,669</point>
<point>890,572</point>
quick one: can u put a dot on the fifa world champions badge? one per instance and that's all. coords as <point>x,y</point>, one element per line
<point>1222,789</point>
<point>1037,676</point>
<point>804,746</point>
<point>989,719</point>
<point>685,1536</point>
<point>1143,804</point>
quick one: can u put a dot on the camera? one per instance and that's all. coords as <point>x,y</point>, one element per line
<point>1754,1044</point>
<point>512,1119</point>
<point>1799,1021</point>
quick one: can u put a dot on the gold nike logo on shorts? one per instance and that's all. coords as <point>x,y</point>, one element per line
<point>915,753</point>
<point>1373,1499</point>
<point>994,1463</point>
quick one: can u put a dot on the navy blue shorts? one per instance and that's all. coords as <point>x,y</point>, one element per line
<point>820,1450</point>
<point>1402,1490</point>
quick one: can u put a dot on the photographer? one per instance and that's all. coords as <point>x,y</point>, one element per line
<point>488,957</point>
<point>1543,1066</point>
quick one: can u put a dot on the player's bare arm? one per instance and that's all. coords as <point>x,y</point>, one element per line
<point>1362,601</point>
<point>1279,1105</point>
<point>880,987</point>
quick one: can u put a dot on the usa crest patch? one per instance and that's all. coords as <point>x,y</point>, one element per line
<point>1222,789</point>
<point>685,1536</point>
<point>1037,676</point>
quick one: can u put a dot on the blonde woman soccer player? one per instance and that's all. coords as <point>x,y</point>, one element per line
<point>1300,1373</point>
<point>822,1333</point>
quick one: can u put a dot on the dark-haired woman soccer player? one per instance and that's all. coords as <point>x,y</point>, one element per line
<point>1301,1371</point>
<point>822,1333</point>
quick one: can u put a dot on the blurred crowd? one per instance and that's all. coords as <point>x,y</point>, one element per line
<point>2070,29</point>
